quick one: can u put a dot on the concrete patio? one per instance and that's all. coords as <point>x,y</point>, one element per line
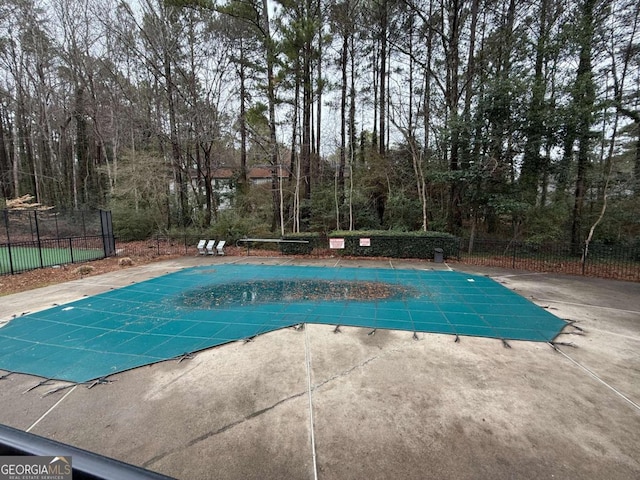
<point>312,403</point>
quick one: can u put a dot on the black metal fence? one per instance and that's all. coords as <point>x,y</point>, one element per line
<point>23,256</point>
<point>605,261</point>
<point>159,245</point>
<point>599,260</point>
<point>97,241</point>
<point>31,239</point>
<point>33,225</point>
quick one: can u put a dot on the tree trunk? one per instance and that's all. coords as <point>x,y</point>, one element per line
<point>271,99</point>
<point>467,126</point>
<point>179,174</point>
<point>5,162</point>
<point>584,98</point>
<point>307,98</point>
<point>531,172</point>
<point>383,78</point>
<point>343,126</point>
<point>243,121</point>
<point>452,96</point>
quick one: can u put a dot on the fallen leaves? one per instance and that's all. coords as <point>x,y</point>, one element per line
<point>291,291</point>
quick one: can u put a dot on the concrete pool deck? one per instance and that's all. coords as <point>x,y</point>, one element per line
<point>313,403</point>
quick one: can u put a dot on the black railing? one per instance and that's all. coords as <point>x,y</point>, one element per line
<point>598,260</point>
<point>17,257</point>
<point>86,465</point>
<point>159,245</point>
<point>27,225</point>
<point>606,261</point>
<point>31,239</point>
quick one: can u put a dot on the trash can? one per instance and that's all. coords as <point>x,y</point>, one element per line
<point>438,255</point>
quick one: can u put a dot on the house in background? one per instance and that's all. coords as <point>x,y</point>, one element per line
<point>224,180</point>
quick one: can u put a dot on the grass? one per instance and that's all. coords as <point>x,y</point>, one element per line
<point>27,258</point>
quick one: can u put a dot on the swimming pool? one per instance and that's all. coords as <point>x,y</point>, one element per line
<point>202,307</point>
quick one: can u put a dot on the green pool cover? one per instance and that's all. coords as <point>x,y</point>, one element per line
<point>202,307</point>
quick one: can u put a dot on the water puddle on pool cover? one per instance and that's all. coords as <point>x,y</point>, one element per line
<point>270,291</point>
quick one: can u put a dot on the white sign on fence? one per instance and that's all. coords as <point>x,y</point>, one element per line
<point>336,243</point>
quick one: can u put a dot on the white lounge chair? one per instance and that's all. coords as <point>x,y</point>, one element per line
<point>201,247</point>
<point>220,247</point>
<point>210,245</point>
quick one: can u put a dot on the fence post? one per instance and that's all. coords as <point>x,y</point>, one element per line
<point>513,258</point>
<point>158,242</point>
<point>585,252</point>
<point>10,258</point>
<point>35,217</point>
<point>6,225</point>
<point>106,227</point>
<point>71,249</point>
<point>186,248</point>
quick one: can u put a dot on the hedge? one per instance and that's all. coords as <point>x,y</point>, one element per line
<point>313,240</point>
<point>381,244</point>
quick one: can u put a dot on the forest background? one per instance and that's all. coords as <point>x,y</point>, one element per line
<point>481,118</point>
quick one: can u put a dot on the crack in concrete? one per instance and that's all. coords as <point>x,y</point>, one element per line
<point>257,413</point>
<point>222,429</point>
<point>355,367</point>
